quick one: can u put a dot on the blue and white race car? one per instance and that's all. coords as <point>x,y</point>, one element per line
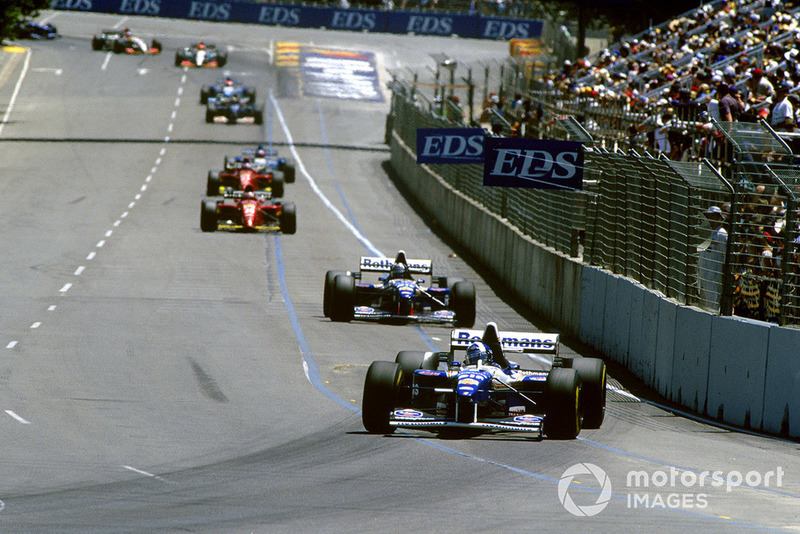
<point>398,296</point>
<point>226,87</point>
<point>486,392</point>
<point>263,158</point>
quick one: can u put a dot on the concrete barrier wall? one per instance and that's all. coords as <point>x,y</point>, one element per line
<point>746,373</point>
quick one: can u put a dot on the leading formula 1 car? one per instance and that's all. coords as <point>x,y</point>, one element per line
<point>435,391</point>
<point>244,178</point>
<point>265,158</point>
<point>247,211</point>
<point>200,55</point>
<point>124,42</point>
<point>398,296</point>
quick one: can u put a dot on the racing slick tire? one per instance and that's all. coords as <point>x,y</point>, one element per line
<point>251,93</point>
<point>118,47</point>
<point>343,298</point>
<point>288,218</point>
<point>208,215</point>
<point>276,187</point>
<point>258,115</point>
<point>326,292</point>
<point>97,43</point>
<point>213,184</point>
<point>449,282</point>
<point>381,389</point>
<point>210,116</point>
<point>563,410</point>
<point>463,303</point>
<point>205,91</point>
<point>222,59</point>
<point>287,167</point>
<point>593,390</point>
<point>157,46</point>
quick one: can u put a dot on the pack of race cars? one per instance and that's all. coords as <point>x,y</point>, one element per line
<point>483,392</point>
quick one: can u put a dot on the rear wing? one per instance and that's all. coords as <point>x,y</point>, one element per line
<point>384,265</point>
<point>526,342</point>
<point>267,151</point>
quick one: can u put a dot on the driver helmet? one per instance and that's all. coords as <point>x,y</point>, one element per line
<point>228,81</point>
<point>478,351</point>
<point>261,153</point>
<point>249,195</point>
<point>201,46</point>
<point>246,165</point>
<point>399,270</point>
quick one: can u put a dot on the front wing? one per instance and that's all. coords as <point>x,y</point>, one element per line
<point>412,418</point>
<point>438,317</point>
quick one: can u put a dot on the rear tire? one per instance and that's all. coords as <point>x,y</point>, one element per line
<point>592,372</point>
<point>381,389</point>
<point>97,43</point>
<point>328,289</point>
<point>288,171</point>
<point>343,298</point>
<point>208,215</point>
<point>563,415</point>
<point>463,303</point>
<point>288,218</point>
<point>258,115</point>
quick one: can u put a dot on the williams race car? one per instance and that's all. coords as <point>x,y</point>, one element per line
<point>244,178</point>
<point>226,87</point>
<point>124,42</point>
<point>397,296</point>
<point>263,158</point>
<point>34,30</point>
<point>200,55</point>
<point>234,108</point>
<point>247,211</point>
<point>437,392</point>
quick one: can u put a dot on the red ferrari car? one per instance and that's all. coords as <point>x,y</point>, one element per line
<point>247,211</point>
<point>244,178</point>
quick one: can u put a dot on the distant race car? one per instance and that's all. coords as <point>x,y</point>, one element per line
<point>226,87</point>
<point>264,158</point>
<point>124,42</point>
<point>201,55</point>
<point>35,30</point>
<point>247,211</point>
<point>398,296</point>
<point>244,178</point>
<point>486,392</point>
<point>234,108</point>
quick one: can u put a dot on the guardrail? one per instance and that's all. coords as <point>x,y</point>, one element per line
<point>643,216</point>
<point>477,26</point>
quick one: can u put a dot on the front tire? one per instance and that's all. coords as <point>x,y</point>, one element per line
<point>288,218</point>
<point>213,184</point>
<point>463,303</point>
<point>343,298</point>
<point>381,390</point>
<point>208,215</point>
<point>563,416</point>
<point>327,290</point>
<point>276,187</point>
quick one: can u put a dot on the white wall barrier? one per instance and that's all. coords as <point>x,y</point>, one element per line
<point>746,373</point>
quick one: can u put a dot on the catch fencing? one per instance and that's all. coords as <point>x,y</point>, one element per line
<point>723,238</point>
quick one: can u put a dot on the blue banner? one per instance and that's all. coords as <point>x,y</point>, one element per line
<point>301,16</point>
<point>450,145</point>
<point>532,163</point>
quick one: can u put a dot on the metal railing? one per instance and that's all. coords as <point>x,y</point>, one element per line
<point>725,242</point>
